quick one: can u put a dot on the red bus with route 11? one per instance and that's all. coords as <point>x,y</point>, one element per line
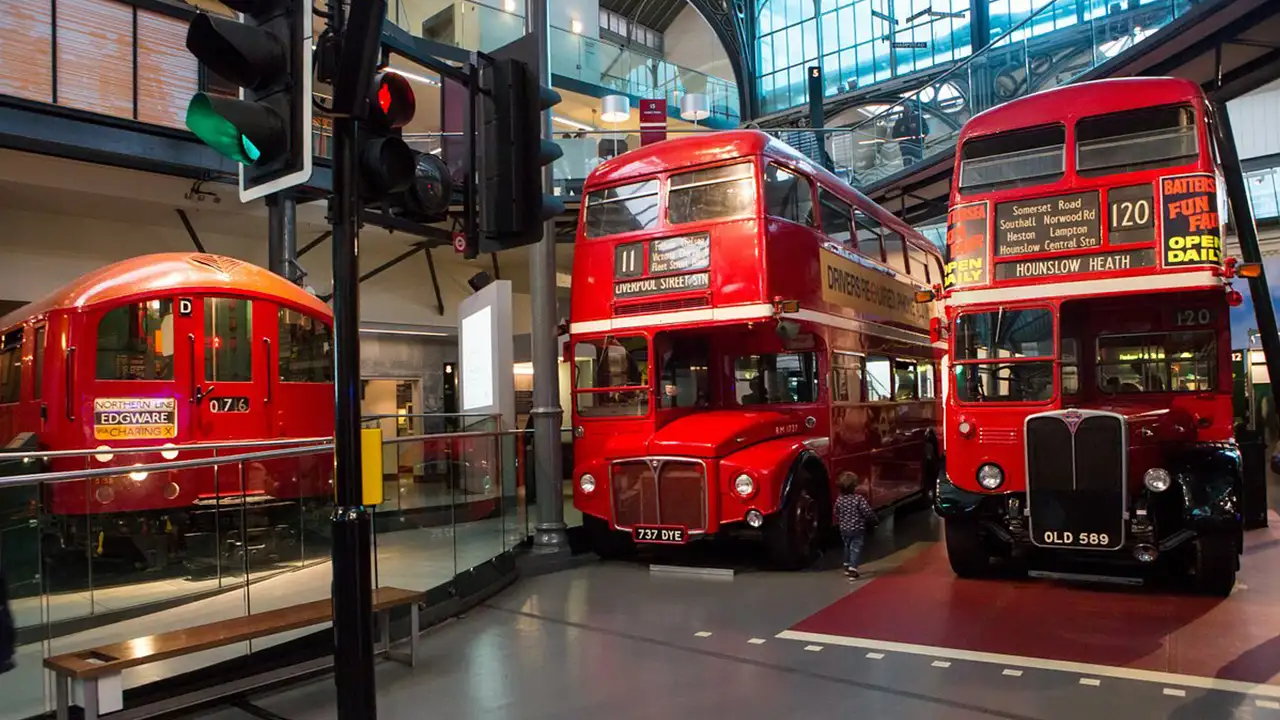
<point>743,336</point>
<point>1088,407</point>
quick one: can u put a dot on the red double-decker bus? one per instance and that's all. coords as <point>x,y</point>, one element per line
<point>744,336</point>
<point>1088,409</point>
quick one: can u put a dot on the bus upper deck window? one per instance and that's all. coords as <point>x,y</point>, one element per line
<point>788,196</point>
<point>135,342</point>
<point>1136,140</point>
<point>836,216</point>
<point>718,192</point>
<point>1014,159</point>
<point>868,233</point>
<point>622,209</point>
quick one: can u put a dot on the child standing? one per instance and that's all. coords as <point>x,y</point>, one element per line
<point>854,516</point>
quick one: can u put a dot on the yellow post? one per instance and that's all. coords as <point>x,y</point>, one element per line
<point>371,465</point>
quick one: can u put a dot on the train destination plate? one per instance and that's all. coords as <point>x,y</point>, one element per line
<point>664,284</point>
<point>662,534</point>
<point>1053,224</point>
<point>680,254</point>
<point>1100,262</point>
<point>135,418</point>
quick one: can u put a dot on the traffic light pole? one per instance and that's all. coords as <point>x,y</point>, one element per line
<point>282,235</point>
<point>549,532</point>
<point>352,549</point>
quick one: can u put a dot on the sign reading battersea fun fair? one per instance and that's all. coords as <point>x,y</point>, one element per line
<point>849,284</point>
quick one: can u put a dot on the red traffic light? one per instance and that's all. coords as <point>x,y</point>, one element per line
<point>392,105</point>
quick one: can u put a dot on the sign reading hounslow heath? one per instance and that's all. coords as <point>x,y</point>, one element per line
<point>1101,262</point>
<point>1052,224</point>
<point>135,418</point>
<point>849,284</point>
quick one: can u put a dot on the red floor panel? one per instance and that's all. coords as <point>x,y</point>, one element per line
<point>923,603</point>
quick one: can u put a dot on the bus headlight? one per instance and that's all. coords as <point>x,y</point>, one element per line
<point>744,486</point>
<point>587,483</point>
<point>990,476</point>
<point>1157,479</point>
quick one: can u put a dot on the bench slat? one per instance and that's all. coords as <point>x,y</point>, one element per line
<point>115,657</point>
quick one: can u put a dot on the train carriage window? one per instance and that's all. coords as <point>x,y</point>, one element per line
<point>846,377</point>
<point>894,250</point>
<point>622,209</point>
<point>879,380</point>
<point>306,348</point>
<point>228,340</point>
<point>788,196</point>
<point>868,230</point>
<point>37,379</point>
<point>1014,159</point>
<point>837,218</point>
<point>11,367</point>
<point>776,378</point>
<point>718,192</point>
<point>905,381</point>
<point>1136,140</point>
<point>135,342</point>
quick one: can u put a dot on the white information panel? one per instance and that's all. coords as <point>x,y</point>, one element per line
<point>485,353</point>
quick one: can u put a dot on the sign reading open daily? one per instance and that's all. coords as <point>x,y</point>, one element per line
<point>135,418</point>
<point>1063,222</point>
<point>851,285</point>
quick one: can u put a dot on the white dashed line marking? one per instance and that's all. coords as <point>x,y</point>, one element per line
<point>1176,692</point>
<point>756,641</point>
<point>1011,672</point>
<point>1268,704</point>
<point>813,648</point>
<point>875,656</point>
<point>702,633</point>
<point>1095,682</point>
<point>941,663</point>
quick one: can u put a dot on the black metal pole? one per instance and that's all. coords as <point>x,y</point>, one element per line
<point>352,550</point>
<point>282,235</point>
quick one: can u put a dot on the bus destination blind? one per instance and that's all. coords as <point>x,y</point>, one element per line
<point>1063,222</point>
<point>1097,263</point>
<point>679,254</point>
<point>1190,224</point>
<point>662,266</point>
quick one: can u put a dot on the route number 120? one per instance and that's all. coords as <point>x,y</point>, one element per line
<point>1184,318</point>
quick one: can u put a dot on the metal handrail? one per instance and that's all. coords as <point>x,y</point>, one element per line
<point>451,436</point>
<point>43,454</point>
<point>67,475</point>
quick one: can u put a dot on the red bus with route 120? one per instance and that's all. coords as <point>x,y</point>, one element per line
<point>1088,411</point>
<point>744,335</point>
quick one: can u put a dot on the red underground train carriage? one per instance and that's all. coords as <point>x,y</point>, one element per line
<point>178,351</point>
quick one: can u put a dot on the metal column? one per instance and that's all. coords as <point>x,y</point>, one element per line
<point>282,235</point>
<point>549,532</point>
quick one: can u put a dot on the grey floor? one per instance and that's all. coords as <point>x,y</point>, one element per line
<point>617,640</point>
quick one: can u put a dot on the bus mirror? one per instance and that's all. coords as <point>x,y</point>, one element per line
<point>924,296</point>
<point>1249,270</point>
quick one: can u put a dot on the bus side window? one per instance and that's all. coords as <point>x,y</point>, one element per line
<point>905,381</point>
<point>837,218</point>
<point>846,377</point>
<point>919,269</point>
<point>11,367</point>
<point>868,236</point>
<point>894,250</point>
<point>37,370</point>
<point>927,380</point>
<point>879,380</point>
<point>788,196</point>
<point>306,350</point>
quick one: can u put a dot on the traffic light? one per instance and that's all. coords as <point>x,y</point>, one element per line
<point>267,53</point>
<point>513,153</point>
<point>387,164</point>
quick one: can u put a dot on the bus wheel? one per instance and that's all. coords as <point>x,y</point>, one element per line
<point>1216,563</point>
<point>793,536</point>
<point>606,542</point>
<point>969,559</point>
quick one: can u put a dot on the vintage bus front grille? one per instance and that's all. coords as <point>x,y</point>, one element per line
<point>659,491</point>
<point>1076,472</point>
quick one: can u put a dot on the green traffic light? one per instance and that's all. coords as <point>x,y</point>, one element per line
<point>218,132</point>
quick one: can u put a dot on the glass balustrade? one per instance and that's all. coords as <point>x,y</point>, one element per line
<point>247,530</point>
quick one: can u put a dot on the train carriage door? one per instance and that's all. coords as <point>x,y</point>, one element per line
<point>229,381</point>
<point>133,362</point>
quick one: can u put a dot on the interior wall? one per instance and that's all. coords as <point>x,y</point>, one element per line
<point>691,43</point>
<point>1254,119</point>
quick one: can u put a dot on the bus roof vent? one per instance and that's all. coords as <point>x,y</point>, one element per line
<point>224,265</point>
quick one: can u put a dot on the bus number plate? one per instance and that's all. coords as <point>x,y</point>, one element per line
<point>659,534</point>
<point>229,404</point>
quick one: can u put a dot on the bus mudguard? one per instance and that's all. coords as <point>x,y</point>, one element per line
<point>1209,477</point>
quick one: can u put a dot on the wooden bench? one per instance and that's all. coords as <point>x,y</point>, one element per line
<point>98,669</point>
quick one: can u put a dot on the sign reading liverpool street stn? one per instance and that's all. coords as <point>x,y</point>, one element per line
<point>135,418</point>
<point>1063,222</point>
<point>664,284</point>
<point>852,285</point>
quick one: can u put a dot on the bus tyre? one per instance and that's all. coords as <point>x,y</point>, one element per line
<point>793,536</point>
<point>605,542</point>
<point>1216,562</point>
<point>969,559</point>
